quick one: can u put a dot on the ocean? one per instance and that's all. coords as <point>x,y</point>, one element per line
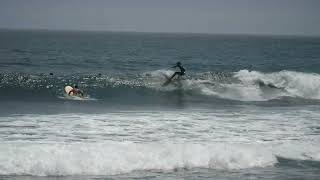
<point>248,106</point>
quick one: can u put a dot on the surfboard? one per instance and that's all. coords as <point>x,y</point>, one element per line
<point>166,83</point>
<point>168,80</point>
<point>67,89</point>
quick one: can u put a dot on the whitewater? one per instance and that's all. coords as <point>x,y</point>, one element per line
<point>121,142</point>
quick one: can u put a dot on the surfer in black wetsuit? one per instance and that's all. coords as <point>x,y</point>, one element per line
<point>180,73</point>
<point>76,91</point>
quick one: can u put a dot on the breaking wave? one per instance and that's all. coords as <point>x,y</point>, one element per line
<point>243,85</point>
<point>116,158</point>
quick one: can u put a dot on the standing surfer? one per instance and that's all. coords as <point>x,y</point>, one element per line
<point>180,73</point>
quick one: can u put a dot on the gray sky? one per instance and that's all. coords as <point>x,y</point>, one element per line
<point>197,16</point>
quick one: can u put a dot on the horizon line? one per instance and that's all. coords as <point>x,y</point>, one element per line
<point>159,32</point>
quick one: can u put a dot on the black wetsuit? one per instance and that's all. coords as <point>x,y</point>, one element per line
<point>181,73</point>
<point>182,70</point>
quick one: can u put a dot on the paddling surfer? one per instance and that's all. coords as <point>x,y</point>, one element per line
<point>76,91</point>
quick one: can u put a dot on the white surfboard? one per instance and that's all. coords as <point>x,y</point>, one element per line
<point>67,89</point>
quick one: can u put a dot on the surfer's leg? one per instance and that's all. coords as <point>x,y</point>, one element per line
<point>173,75</point>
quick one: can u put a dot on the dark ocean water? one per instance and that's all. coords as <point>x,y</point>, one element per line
<point>247,108</point>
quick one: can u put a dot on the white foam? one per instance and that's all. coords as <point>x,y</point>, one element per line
<point>244,125</point>
<point>120,142</point>
<point>77,98</point>
<point>300,151</point>
<point>295,84</point>
<point>114,158</point>
<point>159,73</point>
<point>258,86</point>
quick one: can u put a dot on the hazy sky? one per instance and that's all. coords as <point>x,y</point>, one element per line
<point>198,16</point>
